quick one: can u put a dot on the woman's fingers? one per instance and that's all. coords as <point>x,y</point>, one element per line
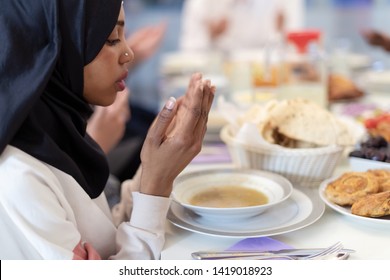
<point>188,116</point>
<point>190,109</point>
<point>201,126</point>
<point>159,129</point>
<point>175,137</point>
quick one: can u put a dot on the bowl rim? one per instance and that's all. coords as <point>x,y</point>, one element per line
<point>285,184</point>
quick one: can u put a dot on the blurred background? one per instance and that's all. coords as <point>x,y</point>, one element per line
<point>351,77</point>
<point>248,76</point>
<point>340,21</point>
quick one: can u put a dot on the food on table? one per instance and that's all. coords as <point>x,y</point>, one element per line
<point>373,205</point>
<point>351,186</point>
<point>385,186</point>
<point>299,123</point>
<point>341,87</point>
<point>383,177</point>
<point>228,197</point>
<point>368,193</point>
<point>374,148</point>
<point>381,174</point>
<point>379,126</point>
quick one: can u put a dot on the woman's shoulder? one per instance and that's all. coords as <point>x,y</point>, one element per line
<point>17,165</point>
<point>22,173</point>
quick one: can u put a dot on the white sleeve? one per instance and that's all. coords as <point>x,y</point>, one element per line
<point>143,236</point>
<point>37,225</point>
<point>194,34</point>
<point>45,214</point>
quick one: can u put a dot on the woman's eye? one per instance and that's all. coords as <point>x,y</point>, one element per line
<point>112,42</point>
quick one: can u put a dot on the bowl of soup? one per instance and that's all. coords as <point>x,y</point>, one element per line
<point>230,193</point>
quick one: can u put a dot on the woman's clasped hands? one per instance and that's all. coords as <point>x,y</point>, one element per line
<point>175,137</point>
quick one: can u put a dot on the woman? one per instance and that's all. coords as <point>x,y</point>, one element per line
<point>57,58</point>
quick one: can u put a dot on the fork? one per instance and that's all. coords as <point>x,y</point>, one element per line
<point>331,250</point>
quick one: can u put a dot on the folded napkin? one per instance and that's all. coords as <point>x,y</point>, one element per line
<point>248,134</point>
<point>213,153</point>
<point>262,244</point>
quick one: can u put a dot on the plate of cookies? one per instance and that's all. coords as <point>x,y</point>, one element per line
<point>363,195</point>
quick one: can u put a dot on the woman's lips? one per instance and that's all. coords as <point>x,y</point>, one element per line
<point>121,84</point>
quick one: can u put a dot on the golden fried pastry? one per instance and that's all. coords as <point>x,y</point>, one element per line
<point>384,185</point>
<point>340,87</point>
<point>374,205</point>
<point>351,186</point>
<point>383,176</point>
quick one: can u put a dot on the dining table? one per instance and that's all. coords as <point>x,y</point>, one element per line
<point>369,238</point>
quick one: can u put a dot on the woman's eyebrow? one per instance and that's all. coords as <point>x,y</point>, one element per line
<point>120,23</point>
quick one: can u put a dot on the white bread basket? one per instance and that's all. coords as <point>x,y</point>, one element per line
<point>307,167</point>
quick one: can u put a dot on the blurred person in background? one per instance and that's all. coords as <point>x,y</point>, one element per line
<point>348,19</point>
<point>107,124</point>
<point>107,127</point>
<point>237,24</point>
<point>377,38</point>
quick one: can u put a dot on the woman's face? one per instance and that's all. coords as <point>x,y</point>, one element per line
<point>105,75</point>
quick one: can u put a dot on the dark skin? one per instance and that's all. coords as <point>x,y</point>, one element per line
<point>377,38</point>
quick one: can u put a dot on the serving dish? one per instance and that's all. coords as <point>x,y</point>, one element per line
<point>306,166</point>
<point>376,80</point>
<point>362,164</point>
<point>346,210</point>
<point>301,209</point>
<point>239,189</point>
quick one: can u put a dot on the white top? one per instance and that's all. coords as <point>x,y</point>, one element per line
<point>45,214</point>
<point>251,23</point>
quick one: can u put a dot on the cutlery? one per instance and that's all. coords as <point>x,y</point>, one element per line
<point>202,255</point>
<point>332,256</point>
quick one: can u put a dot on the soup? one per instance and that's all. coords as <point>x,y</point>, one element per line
<point>228,197</point>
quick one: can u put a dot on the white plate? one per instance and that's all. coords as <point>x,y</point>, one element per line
<point>347,210</point>
<point>355,61</point>
<point>376,80</point>
<point>302,209</point>
<point>276,189</point>
<point>363,164</point>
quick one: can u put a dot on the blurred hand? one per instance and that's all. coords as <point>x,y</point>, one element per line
<point>280,21</point>
<point>107,124</point>
<point>218,27</point>
<point>175,137</point>
<point>145,41</point>
<point>376,38</point>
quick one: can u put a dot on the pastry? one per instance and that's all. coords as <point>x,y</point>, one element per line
<point>374,205</point>
<point>341,87</point>
<point>350,187</point>
<point>383,176</point>
<point>384,185</point>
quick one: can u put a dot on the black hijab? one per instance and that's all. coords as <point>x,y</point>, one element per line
<point>44,45</point>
